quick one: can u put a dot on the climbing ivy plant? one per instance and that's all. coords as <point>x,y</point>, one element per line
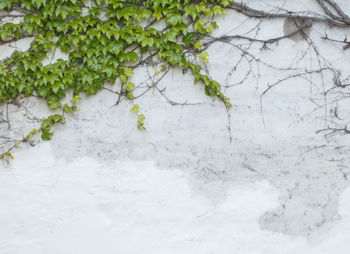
<point>104,41</point>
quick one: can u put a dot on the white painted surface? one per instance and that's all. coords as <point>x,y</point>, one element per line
<point>133,207</point>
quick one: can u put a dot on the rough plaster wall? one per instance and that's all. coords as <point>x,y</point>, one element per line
<point>274,141</point>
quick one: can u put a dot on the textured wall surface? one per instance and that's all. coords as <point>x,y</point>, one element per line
<point>102,186</point>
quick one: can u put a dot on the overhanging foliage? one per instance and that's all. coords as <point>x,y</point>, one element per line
<point>104,40</point>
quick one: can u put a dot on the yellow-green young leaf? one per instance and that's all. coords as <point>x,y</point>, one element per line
<point>67,109</point>
<point>128,72</point>
<point>218,10</point>
<point>5,4</point>
<point>135,108</point>
<point>75,99</point>
<point>198,45</point>
<point>130,86</point>
<point>142,117</point>
<point>204,57</point>
<point>226,2</point>
<point>174,19</point>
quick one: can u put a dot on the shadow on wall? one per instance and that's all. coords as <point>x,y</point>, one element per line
<point>292,25</point>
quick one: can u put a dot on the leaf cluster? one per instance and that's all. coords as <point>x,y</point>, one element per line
<point>104,40</point>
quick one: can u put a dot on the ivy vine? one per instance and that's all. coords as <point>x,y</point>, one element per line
<point>105,40</point>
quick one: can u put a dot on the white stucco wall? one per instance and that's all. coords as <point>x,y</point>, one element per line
<point>102,186</point>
